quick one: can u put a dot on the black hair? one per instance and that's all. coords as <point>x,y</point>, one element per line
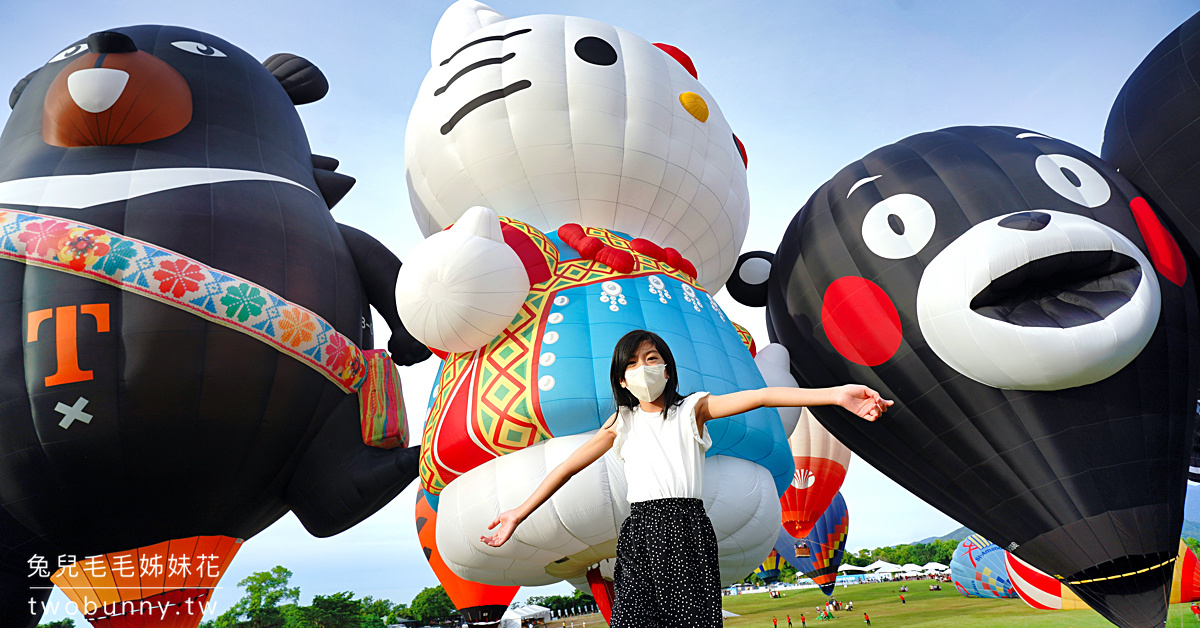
<point>624,352</point>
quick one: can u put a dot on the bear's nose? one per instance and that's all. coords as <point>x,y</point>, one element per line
<point>1026,221</point>
<point>109,42</point>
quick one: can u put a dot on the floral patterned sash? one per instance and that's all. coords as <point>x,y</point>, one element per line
<point>179,281</point>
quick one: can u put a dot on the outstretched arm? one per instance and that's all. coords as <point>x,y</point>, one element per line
<point>587,453</point>
<point>856,398</point>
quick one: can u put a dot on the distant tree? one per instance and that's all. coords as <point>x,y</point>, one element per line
<point>562,602</point>
<point>62,623</point>
<point>432,604</point>
<point>339,610</point>
<point>389,611</point>
<point>260,607</point>
<point>1194,544</point>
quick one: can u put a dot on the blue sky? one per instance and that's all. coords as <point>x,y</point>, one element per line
<point>809,86</point>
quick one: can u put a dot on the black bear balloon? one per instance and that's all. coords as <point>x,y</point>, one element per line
<point>1031,317</point>
<point>172,285</point>
<point>1153,138</point>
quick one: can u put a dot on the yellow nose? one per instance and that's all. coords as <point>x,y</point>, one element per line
<point>695,105</point>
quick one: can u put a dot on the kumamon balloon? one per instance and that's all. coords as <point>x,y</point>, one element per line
<point>1001,286</point>
<point>1153,139</point>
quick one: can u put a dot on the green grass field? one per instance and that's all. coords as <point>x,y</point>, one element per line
<point>925,608</point>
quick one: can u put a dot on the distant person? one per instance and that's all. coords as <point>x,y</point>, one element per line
<point>789,618</point>
<point>802,623</point>
<point>902,599</point>
<point>867,618</point>
<point>775,621</point>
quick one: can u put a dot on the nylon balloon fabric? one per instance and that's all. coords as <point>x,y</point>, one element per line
<point>821,463</point>
<point>1002,287</point>
<point>181,311</point>
<point>553,119</point>
<point>1153,138</point>
<point>977,568</point>
<point>819,554</point>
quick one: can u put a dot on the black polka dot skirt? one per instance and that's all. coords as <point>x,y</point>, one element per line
<point>667,572</point>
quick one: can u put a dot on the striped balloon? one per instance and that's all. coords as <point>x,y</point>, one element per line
<point>819,554</point>
<point>821,463</point>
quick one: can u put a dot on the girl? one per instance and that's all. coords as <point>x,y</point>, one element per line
<point>667,572</point>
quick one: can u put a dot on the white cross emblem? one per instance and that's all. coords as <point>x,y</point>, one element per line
<point>73,413</point>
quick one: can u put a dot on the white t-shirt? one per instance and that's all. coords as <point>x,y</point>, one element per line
<point>663,457</point>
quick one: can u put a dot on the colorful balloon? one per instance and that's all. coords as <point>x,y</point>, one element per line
<point>821,463</point>
<point>183,342</point>
<point>480,604</point>
<point>819,554</point>
<point>1044,592</point>
<point>768,571</point>
<point>167,585</point>
<point>1004,288</point>
<point>977,569</point>
<point>557,251</point>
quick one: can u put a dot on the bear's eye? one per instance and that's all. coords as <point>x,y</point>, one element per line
<point>596,51</point>
<point>899,226</point>
<point>69,52</point>
<point>197,48</point>
<point>1073,180</point>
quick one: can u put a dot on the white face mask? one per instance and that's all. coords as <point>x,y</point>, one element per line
<point>647,382</point>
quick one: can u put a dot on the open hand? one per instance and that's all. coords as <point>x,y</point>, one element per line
<point>507,522</point>
<point>862,401</point>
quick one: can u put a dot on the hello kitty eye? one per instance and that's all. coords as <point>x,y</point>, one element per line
<point>69,52</point>
<point>1073,180</point>
<point>899,226</point>
<point>595,51</point>
<point>197,48</point>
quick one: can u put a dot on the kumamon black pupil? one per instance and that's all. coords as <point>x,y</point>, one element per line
<point>896,224</point>
<point>596,51</point>
<point>1072,177</point>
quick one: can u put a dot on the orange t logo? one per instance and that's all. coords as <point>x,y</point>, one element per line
<point>65,329</point>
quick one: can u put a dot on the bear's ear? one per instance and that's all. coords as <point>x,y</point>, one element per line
<point>454,29</point>
<point>15,95</point>
<point>303,81</point>
<point>748,283</point>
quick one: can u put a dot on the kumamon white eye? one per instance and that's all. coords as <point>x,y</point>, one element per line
<point>69,52</point>
<point>1073,180</point>
<point>899,226</point>
<point>197,48</point>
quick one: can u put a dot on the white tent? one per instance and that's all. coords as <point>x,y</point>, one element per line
<point>851,569</point>
<point>513,617</point>
<point>882,566</point>
<point>932,566</point>
<point>910,567</point>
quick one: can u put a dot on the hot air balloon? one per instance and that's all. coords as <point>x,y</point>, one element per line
<point>186,322</point>
<point>1000,285</point>
<point>1044,592</point>
<point>1153,139</point>
<point>168,585</point>
<point>821,463</point>
<point>977,569</point>
<point>768,571</point>
<point>819,554</point>
<point>529,276</point>
<point>480,604</point>
<point>1039,590</point>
